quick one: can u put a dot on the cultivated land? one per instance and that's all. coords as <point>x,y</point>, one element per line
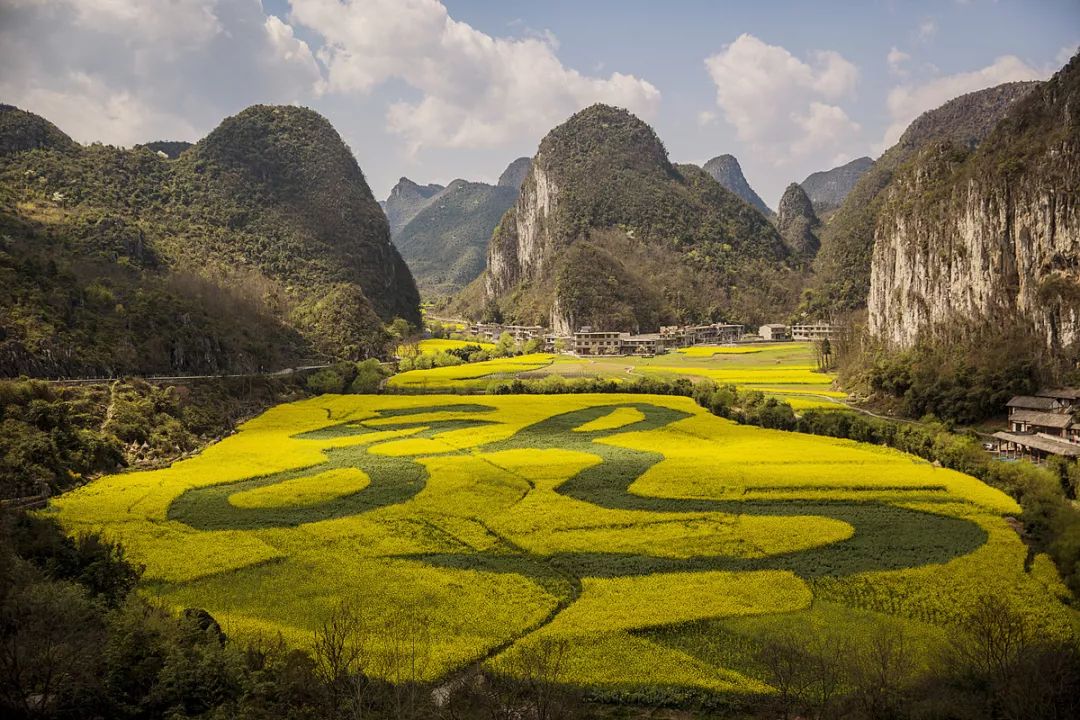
<point>661,544</point>
<point>787,370</point>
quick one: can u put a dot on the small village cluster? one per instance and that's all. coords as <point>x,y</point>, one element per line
<point>590,341</point>
<point>1041,425</point>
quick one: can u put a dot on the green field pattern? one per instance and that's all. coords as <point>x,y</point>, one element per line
<point>660,542</point>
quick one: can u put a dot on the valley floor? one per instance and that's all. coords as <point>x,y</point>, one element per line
<point>655,546</point>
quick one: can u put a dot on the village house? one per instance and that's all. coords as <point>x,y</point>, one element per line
<point>813,332</point>
<point>773,332</point>
<point>647,344</point>
<point>1041,425</point>
<point>596,342</point>
<point>712,334</point>
<point>520,333</point>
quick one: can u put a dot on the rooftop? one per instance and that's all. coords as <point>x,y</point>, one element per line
<point>1041,442</point>
<point>1044,419</point>
<point>1060,393</point>
<point>1029,402</point>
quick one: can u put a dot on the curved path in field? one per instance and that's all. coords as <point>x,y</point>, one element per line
<point>875,545</point>
<point>886,537</point>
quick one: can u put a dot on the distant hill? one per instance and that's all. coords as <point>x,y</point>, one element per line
<point>607,232</point>
<point>406,200</point>
<point>725,169</point>
<point>445,244</point>
<point>847,241</point>
<point>828,188</point>
<point>259,245</point>
<point>514,174</point>
<point>171,148</point>
<point>445,241</point>
<point>797,223</point>
<point>21,131</point>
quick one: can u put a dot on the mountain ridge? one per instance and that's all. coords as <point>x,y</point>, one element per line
<point>120,261</point>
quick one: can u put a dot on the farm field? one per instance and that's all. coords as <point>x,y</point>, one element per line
<point>658,543</point>
<point>785,370</point>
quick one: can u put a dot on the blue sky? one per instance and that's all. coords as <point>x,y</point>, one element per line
<point>437,90</point>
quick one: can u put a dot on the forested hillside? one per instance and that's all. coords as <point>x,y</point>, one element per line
<point>258,246</point>
<point>608,232</point>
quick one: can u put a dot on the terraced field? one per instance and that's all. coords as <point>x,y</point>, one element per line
<point>661,544</point>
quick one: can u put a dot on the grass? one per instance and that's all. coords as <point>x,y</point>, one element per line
<point>662,543</point>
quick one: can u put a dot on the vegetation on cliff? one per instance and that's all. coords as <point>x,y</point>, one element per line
<point>607,221</point>
<point>847,242</point>
<point>120,261</point>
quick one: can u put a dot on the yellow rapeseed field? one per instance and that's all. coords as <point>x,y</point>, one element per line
<point>644,533</point>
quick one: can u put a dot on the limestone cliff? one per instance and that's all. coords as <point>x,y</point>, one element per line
<point>990,236</point>
<point>843,265</point>
<point>606,231</point>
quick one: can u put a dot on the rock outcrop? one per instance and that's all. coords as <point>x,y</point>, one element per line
<point>987,237</point>
<point>797,223</point>
<point>828,188</point>
<point>725,169</point>
<point>607,232</point>
<point>842,266</point>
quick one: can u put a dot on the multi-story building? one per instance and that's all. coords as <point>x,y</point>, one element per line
<point>597,342</point>
<point>811,332</point>
<point>1042,424</point>
<point>712,334</point>
<point>774,331</point>
<point>647,344</point>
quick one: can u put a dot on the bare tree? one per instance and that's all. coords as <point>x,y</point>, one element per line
<point>343,658</point>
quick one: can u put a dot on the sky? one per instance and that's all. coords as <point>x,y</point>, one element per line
<point>459,88</point>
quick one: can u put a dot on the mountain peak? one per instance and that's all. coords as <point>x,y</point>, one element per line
<point>828,188</point>
<point>514,174</point>
<point>406,199</point>
<point>21,131</point>
<point>725,169</point>
<point>797,222</point>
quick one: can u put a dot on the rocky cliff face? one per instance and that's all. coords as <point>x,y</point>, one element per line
<point>725,169</point>
<point>607,232</point>
<point>797,223</point>
<point>827,189</point>
<point>842,266</point>
<point>991,236</point>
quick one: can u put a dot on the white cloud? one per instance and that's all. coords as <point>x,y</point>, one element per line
<point>706,118</point>
<point>927,30</point>
<point>783,107</point>
<point>130,71</point>
<point>291,49</point>
<point>822,126</point>
<point>475,90</point>
<point>906,102</point>
<point>896,60</point>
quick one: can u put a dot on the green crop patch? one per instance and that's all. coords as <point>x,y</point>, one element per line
<point>660,542</point>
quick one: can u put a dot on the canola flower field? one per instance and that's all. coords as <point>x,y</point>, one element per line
<point>657,541</point>
<point>785,370</point>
